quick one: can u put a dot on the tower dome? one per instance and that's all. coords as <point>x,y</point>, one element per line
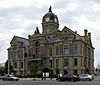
<point>50,17</point>
<point>50,23</point>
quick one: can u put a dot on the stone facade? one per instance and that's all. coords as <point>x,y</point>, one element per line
<point>58,51</point>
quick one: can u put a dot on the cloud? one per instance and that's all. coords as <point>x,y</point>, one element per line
<point>21,17</point>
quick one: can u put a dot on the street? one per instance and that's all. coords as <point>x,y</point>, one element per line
<point>96,81</point>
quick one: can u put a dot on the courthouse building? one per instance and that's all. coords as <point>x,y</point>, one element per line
<point>59,51</point>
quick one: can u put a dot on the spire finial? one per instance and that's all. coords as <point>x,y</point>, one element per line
<point>50,9</point>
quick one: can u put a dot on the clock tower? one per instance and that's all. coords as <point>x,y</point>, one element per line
<point>50,23</point>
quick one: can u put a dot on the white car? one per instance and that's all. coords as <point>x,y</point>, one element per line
<point>9,78</point>
<point>86,77</point>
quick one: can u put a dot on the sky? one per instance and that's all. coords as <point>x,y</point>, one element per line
<point>21,17</point>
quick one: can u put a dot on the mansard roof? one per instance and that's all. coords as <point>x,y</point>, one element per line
<point>24,41</point>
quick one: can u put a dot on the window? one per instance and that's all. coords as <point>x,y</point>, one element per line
<point>21,64</point>
<point>9,64</point>
<point>75,61</point>
<point>10,54</point>
<point>75,49</point>
<point>37,51</point>
<point>57,62</point>
<point>42,50</point>
<point>21,53</point>
<point>88,51</point>
<point>45,62</point>
<point>50,51</point>
<point>66,62</point>
<point>81,62</point>
<point>84,51</point>
<point>71,48</point>
<point>15,54</point>
<point>14,47</point>
<point>57,50</point>
<point>81,49</point>
<point>37,48</point>
<point>66,49</point>
<point>60,49</point>
<point>15,65</point>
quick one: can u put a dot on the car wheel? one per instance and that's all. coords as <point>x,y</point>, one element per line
<point>17,79</point>
<point>72,80</point>
<point>11,79</point>
<point>3,79</point>
<point>58,79</point>
<point>61,80</point>
<point>88,79</point>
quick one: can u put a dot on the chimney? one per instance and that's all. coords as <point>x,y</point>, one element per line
<point>85,32</point>
<point>89,34</point>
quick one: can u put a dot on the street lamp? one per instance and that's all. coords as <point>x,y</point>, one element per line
<point>59,69</point>
<point>51,67</point>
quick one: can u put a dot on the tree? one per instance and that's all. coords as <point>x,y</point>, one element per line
<point>2,71</point>
<point>98,66</point>
<point>96,69</point>
<point>33,67</point>
<point>6,67</point>
<point>11,70</point>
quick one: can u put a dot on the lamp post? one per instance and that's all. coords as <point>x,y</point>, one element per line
<point>51,67</point>
<point>59,69</point>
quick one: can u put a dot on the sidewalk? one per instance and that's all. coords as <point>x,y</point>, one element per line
<point>97,78</point>
<point>36,79</point>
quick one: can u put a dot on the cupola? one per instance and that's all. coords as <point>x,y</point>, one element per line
<point>50,17</point>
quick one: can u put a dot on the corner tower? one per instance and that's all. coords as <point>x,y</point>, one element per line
<point>50,23</point>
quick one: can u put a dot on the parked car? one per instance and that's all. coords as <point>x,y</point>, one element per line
<point>86,77</point>
<point>68,78</point>
<point>9,78</point>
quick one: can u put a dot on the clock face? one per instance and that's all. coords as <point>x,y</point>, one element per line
<point>47,19</point>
